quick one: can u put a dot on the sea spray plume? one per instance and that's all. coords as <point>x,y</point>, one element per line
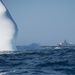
<point>8,30</point>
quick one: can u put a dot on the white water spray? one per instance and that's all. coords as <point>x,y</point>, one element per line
<point>8,30</point>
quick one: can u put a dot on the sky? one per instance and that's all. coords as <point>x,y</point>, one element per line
<point>46,22</point>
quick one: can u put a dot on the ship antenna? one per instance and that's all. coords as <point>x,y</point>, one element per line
<point>65,41</point>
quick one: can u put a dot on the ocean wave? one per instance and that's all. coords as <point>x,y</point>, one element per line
<point>38,62</point>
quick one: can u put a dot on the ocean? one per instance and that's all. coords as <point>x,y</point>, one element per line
<point>38,62</point>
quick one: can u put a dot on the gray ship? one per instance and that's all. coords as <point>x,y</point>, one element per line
<point>65,45</point>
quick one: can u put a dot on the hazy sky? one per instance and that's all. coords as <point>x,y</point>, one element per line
<point>46,22</point>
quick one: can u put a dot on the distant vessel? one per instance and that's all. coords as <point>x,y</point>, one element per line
<point>65,45</point>
<point>61,45</point>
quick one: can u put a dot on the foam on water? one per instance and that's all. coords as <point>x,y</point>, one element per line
<point>8,30</point>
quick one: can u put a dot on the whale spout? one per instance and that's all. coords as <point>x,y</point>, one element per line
<point>8,30</point>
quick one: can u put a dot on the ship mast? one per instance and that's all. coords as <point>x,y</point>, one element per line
<point>65,41</point>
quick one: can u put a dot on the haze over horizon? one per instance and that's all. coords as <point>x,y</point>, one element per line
<point>46,22</point>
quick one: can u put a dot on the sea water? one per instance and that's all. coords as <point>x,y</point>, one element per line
<point>38,62</point>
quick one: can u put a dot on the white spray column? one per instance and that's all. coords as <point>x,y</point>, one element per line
<point>8,30</point>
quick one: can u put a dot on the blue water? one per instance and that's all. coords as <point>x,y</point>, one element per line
<point>38,62</point>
